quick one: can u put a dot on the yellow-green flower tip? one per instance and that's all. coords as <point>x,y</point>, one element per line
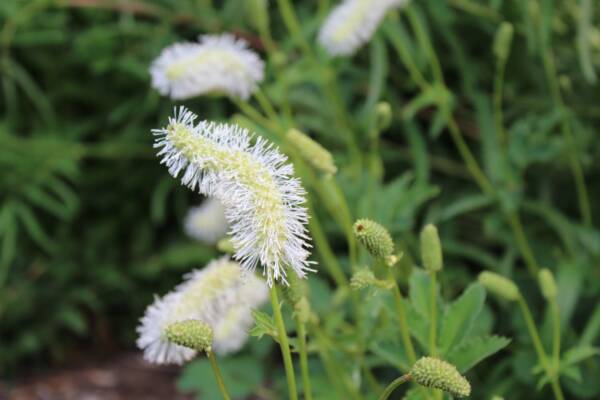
<point>191,333</point>
<point>374,237</point>
<point>499,285</point>
<point>503,40</point>
<point>226,246</point>
<point>438,374</point>
<point>547,284</point>
<point>383,111</point>
<point>312,152</point>
<point>431,249</point>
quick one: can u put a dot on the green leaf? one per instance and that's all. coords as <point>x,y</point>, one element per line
<point>264,325</point>
<point>472,351</point>
<point>419,292</point>
<point>578,354</point>
<point>459,317</point>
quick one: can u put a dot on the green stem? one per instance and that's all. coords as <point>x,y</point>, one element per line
<point>286,9</point>
<point>537,344</point>
<point>433,315</point>
<point>255,115</point>
<point>322,246</point>
<point>555,334</point>
<point>393,385</point>
<point>301,332</point>
<point>218,376</point>
<point>404,332</point>
<point>266,104</point>
<point>284,345</point>
<point>575,165</point>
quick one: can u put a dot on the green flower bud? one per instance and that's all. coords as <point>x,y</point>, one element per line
<point>547,284</point>
<point>375,238</point>
<point>503,40</point>
<point>437,374</point>
<point>312,152</point>
<point>364,278</point>
<point>499,285</point>
<point>224,245</point>
<point>383,113</point>
<point>431,249</point>
<point>191,333</point>
<point>302,310</point>
<point>296,289</point>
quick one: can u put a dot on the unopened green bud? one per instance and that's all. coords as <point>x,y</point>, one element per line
<point>312,152</point>
<point>438,374</point>
<point>225,245</point>
<point>503,40</point>
<point>383,112</point>
<point>431,249</point>
<point>296,289</point>
<point>191,333</point>
<point>365,278</point>
<point>302,310</point>
<point>375,238</point>
<point>547,284</point>
<point>499,285</point>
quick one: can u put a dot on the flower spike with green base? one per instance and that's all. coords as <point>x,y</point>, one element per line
<point>263,201</point>
<point>438,374</point>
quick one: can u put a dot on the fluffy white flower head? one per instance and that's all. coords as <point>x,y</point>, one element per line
<point>209,295</point>
<point>263,201</point>
<point>217,64</point>
<point>352,23</point>
<point>206,223</point>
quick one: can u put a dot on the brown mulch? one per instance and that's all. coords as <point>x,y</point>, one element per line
<point>122,377</point>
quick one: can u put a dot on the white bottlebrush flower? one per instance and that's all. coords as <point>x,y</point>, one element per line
<point>263,201</point>
<point>217,64</point>
<point>208,295</point>
<point>352,23</point>
<point>206,223</point>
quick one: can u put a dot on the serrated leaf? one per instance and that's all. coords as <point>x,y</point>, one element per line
<point>459,317</point>
<point>264,325</point>
<point>472,351</point>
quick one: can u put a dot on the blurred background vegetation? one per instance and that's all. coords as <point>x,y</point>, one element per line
<point>91,224</point>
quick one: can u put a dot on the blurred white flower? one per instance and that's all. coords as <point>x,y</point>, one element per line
<point>220,295</point>
<point>263,202</point>
<point>352,23</point>
<point>217,64</point>
<point>206,223</point>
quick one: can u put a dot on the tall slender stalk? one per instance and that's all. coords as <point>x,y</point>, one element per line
<point>404,332</point>
<point>539,348</point>
<point>301,332</point>
<point>555,334</point>
<point>218,376</point>
<point>284,345</point>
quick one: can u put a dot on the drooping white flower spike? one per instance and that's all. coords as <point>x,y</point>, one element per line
<point>263,201</point>
<point>206,223</point>
<point>217,64</point>
<point>210,295</point>
<point>352,23</point>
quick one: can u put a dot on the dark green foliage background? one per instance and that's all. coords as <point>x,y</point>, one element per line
<point>90,223</point>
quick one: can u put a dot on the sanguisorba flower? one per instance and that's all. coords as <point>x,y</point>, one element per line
<point>209,295</point>
<point>263,201</point>
<point>218,64</point>
<point>206,223</point>
<point>352,23</point>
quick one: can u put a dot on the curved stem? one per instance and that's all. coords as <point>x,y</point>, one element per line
<point>393,385</point>
<point>218,376</point>
<point>301,331</point>
<point>404,332</point>
<point>284,344</point>
<point>537,344</point>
